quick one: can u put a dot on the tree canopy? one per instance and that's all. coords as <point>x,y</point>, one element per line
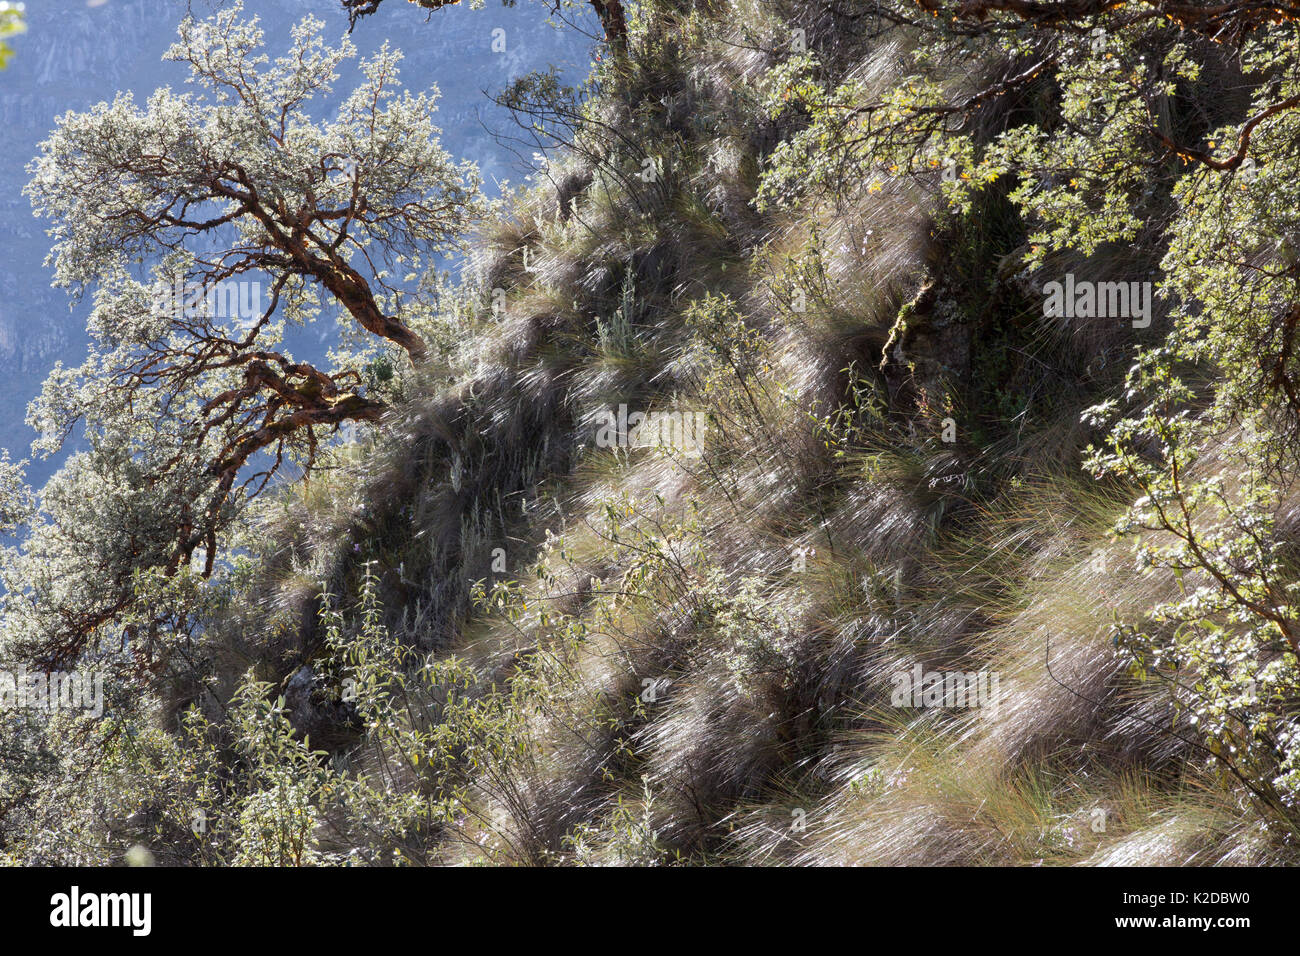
<point>166,214</point>
<point>11,24</point>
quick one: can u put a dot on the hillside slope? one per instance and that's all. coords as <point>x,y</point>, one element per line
<point>548,636</point>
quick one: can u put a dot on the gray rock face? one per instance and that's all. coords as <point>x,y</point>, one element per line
<point>78,53</point>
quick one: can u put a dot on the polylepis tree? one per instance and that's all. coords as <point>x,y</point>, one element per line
<point>187,409</point>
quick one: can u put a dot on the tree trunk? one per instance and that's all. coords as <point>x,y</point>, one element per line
<point>615,24</point>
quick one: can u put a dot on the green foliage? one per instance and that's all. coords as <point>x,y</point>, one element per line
<point>683,654</point>
<point>1085,125</point>
<point>190,409</point>
<point>11,24</point>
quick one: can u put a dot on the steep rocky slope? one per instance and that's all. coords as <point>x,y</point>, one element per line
<point>544,640</point>
<point>710,646</point>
